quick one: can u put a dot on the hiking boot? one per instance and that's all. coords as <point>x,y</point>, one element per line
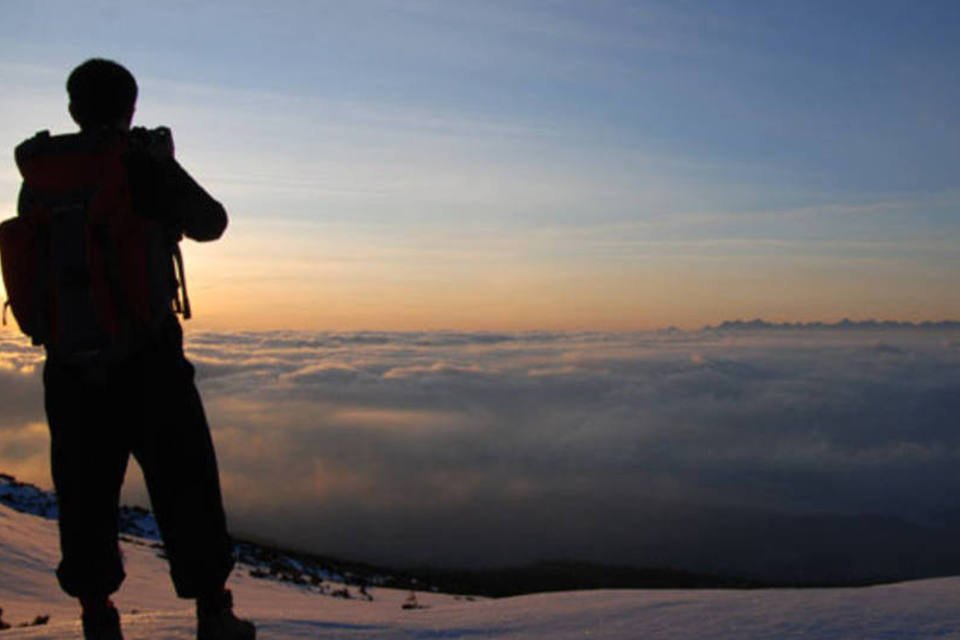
<point>216,620</point>
<point>102,624</point>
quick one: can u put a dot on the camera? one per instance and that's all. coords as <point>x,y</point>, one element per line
<point>157,142</point>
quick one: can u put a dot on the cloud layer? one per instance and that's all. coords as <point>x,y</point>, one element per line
<point>710,450</point>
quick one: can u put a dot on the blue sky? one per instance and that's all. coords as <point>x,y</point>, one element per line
<point>667,163</point>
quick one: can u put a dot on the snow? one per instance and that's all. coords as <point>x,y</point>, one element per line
<point>29,550</point>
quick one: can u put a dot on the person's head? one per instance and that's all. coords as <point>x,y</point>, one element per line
<point>102,93</point>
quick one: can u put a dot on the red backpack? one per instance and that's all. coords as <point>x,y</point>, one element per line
<point>85,274</point>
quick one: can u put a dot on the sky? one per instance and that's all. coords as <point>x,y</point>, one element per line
<point>536,165</point>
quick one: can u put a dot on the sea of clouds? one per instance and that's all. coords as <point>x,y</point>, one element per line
<point>800,454</point>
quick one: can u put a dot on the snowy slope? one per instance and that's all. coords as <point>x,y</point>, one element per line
<point>28,553</point>
<point>324,575</point>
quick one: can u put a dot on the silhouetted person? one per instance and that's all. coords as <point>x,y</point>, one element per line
<point>123,385</point>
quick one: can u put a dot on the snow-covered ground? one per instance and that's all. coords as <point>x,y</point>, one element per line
<point>28,555</point>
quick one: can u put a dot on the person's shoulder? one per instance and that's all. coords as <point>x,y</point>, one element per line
<point>45,143</point>
<point>32,146</point>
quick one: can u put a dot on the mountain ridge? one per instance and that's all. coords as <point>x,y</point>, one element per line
<point>844,324</point>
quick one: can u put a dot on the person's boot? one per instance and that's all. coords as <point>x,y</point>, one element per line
<point>101,620</point>
<point>216,620</point>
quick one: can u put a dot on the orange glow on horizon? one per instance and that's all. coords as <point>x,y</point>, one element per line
<point>270,277</point>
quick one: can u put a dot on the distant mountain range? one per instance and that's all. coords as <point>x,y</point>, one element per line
<point>740,325</point>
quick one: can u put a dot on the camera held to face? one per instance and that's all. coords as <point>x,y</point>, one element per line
<point>157,142</point>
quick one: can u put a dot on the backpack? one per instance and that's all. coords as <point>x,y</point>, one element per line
<point>86,275</point>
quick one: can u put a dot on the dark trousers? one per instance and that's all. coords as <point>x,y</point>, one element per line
<point>146,405</point>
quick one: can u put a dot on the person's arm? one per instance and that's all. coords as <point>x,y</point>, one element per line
<point>202,217</point>
<point>163,190</point>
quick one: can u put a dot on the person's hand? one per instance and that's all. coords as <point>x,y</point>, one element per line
<point>156,144</point>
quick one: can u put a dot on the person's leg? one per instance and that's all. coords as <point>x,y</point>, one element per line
<point>173,446</point>
<point>175,451</point>
<point>88,455</point>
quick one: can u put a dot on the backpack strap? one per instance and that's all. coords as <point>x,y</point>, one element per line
<point>181,301</point>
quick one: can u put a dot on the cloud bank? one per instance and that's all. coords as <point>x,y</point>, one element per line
<point>795,454</point>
